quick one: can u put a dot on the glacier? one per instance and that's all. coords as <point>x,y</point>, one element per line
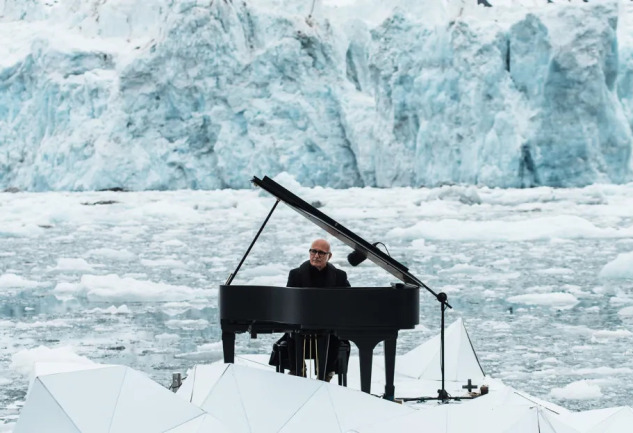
<point>173,94</point>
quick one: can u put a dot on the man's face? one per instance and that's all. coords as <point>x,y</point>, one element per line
<point>320,254</point>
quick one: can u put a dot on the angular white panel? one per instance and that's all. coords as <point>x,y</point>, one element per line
<point>145,406</point>
<point>316,416</point>
<point>89,397</point>
<point>211,424</point>
<point>270,398</point>
<point>423,362</point>
<point>203,424</point>
<point>42,414</point>
<point>191,426</point>
<point>355,408</point>
<point>620,421</point>
<point>550,422</point>
<point>199,382</point>
<point>225,403</point>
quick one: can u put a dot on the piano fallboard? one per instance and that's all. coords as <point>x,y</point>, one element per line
<point>274,308</point>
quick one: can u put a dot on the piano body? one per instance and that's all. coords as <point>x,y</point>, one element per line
<point>364,315</point>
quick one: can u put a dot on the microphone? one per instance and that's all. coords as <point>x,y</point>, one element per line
<point>356,257</point>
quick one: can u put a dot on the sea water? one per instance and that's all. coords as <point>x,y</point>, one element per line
<point>541,277</point>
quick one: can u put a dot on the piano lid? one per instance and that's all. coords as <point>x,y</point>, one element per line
<point>340,232</point>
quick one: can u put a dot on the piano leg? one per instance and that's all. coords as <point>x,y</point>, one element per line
<point>228,346</point>
<point>390,366</point>
<point>366,344</point>
<point>323,351</point>
<point>300,365</point>
<point>365,352</point>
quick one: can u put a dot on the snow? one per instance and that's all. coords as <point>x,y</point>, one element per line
<point>190,94</point>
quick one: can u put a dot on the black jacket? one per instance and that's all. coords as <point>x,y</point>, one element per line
<point>307,275</point>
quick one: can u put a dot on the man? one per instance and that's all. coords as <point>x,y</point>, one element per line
<point>318,272</point>
<point>315,272</point>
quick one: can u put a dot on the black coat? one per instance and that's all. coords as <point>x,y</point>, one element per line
<point>307,275</point>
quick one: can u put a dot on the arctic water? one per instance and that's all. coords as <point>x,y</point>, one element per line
<point>543,277</point>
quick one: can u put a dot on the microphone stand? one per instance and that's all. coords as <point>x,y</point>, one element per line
<point>442,394</point>
<point>355,258</point>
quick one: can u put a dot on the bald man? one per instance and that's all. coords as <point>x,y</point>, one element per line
<point>317,271</point>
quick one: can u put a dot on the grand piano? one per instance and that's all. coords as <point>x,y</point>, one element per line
<point>364,315</point>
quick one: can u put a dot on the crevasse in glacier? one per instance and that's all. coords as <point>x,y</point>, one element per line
<point>202,94</point>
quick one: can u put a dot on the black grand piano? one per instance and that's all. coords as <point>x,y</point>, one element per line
<point>364,315</point>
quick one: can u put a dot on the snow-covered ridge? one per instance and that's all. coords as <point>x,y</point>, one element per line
<point>172,94</point>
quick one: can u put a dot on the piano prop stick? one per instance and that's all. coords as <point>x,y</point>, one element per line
<point>364,315</point>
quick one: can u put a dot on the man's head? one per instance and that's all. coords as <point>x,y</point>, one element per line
<point>320,253</point>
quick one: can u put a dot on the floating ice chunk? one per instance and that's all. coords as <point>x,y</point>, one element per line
<point>620,268</point>
<point>555,271</point>
<point>419,244</point>
<point>270,270</point>
<point>187,324</point>
<point>496,276</point>
<point>55,323</point>
<point>554,300</point>
<point>70,264</point>
<point>274,274</point>
<point>65,290</point>
<point>163,263</point>
<point>167,338</point>
<point>13,281</point>
<point>580,390</point>
<point>112,254</point>
<point>265,280</point>
<point>451,288</point>
<point>606,334</point>
<point>24,361</point>
<point>112,288</point>
<point>463,268</point>
<point>626,312</point>
<point>561,226</point>
<point>620,299</point>
<point>602,371</point>
<point>288,181</point>
<point>464,194</point>
<point>174,243</point>
<point>549,360</point>
<point>209,352</point>
<point>15,230</point>
<point>113,310</point>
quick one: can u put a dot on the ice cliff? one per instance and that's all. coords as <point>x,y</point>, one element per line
<point>168,94</point>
